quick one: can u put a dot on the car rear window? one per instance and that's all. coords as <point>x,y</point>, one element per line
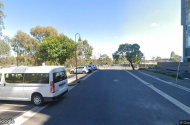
<point>59,76</point>
<point>14,78</point>
<point>42,78</point>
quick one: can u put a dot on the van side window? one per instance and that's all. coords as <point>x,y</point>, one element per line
<point>59,76</point>
<point>14,78</point>
<point>42,78</point>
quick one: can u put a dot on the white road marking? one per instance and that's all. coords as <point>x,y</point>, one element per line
<point>170,83</point>
<point>27,115</point>
<point>12,105</point>
<point>24,117</point>
<point>11,111</point>
<point>116,80</point>
<point>171,99</point>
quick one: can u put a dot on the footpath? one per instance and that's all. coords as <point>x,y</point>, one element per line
<point>184,83</point>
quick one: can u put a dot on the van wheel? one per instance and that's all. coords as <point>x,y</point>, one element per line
<point>37,99</point>
<point>83,72</point>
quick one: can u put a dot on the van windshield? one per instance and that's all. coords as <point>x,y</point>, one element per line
<point>59,76</point>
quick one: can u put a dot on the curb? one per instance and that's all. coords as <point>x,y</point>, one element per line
<point>73,83</point>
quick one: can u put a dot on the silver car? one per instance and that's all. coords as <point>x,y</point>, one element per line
<point>80,69</point>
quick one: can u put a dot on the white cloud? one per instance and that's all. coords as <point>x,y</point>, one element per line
<point>154,25</point>
<point>116,37</point>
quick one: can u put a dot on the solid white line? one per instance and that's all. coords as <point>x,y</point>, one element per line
<point>171,99</point>
<point>11,111</point>
<point>24,117</point>
<point>155,78</point>
<point>170,83</point>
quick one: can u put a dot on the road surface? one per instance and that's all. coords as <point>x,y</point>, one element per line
<point>117,97</point>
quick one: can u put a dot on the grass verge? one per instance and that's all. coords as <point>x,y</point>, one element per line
<point>164,73</point>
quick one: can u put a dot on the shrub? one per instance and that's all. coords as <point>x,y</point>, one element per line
<point>68,70</point>
<point>164,73</point>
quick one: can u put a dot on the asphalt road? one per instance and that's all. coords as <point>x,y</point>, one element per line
<point>14,109</point>
<point>114,97</point>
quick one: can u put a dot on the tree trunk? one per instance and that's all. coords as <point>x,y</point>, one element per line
<point>132,65</point>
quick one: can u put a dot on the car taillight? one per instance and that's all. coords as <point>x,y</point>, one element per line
<point>52,87</point>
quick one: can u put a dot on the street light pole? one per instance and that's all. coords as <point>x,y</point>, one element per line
<point>76,52</point>
<point>17,56</point>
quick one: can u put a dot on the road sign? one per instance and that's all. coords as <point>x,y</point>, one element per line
<point>179,58</point>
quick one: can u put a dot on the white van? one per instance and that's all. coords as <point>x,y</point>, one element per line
<point>36,84</point>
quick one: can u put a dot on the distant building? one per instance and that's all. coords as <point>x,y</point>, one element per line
<point>165,60</point>
<point>185,22</point>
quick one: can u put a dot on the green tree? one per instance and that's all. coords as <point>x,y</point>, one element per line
<point>158,59</point>
<point>118,59</point>
<point>174,57</point>
<point>55,49</point>
<point>84,50</point>
<point>40,33</point>
<point>25,47</point>
<point>4,48</point>
<point>131,52</point>
<point>2,16</point>
<point>105,60</point>
<point>172,54</point>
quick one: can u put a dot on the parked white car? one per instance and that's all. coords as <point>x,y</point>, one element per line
<point>94,67</point>
<point>80,69</point>
<point>89,68</point>
<point>36,84</point>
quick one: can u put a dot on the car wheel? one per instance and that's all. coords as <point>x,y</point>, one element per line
<point>72,72</point>
<point>37,99</point>
<point>83,72</point>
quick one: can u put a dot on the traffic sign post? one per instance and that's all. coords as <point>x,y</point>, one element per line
<point>179,59</point>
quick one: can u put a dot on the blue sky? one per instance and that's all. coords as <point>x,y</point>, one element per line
<point>153,24</point>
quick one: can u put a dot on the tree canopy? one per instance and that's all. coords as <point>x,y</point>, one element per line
<point>131,52</point>
<point>4,48</point>
<point>56,49</point>
<point>25,47</point>
<point>174,57</point>
<point>2,16</point>
<point>105,60</point>
<point>42,32</point>
<point>84,50</point>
